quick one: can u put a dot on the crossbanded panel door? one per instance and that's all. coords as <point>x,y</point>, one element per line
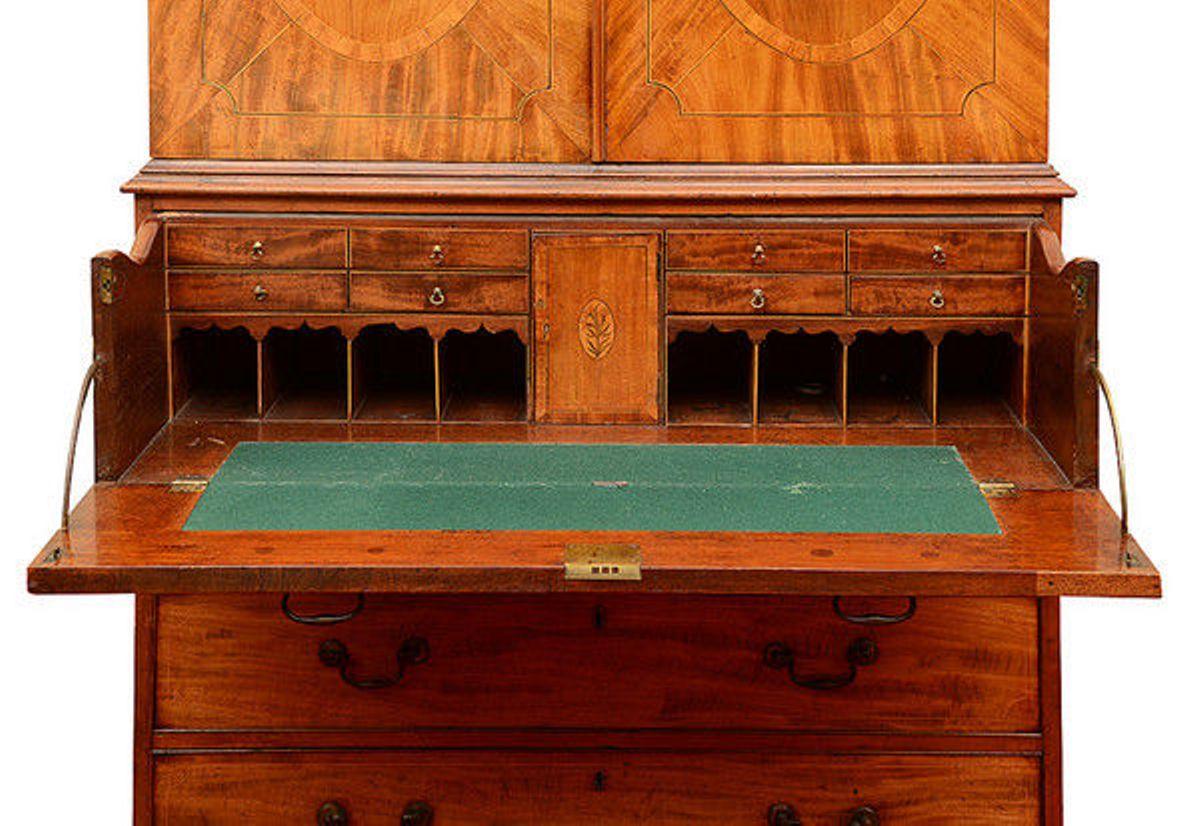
<point>826,81</point>
<point>434,80</point>
<point>596,323</point>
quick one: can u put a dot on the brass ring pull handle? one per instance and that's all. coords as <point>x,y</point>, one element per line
<point>334,654</point>
<point>322,619</point>
<point>437,298</point>
<point>437,255</point>
<point>937,300</point>
<point>877,619</point>
<point>939,255</point>
<point>864,816</point>
<point>759,255</point>
<point>260,292</point>
<point>1118,443</point>
<point>758,299</point>
<point>257,249</point>
<point>781,814</point>
<point>862,652</point>
<point>333,814</point>
<point>417,813</point>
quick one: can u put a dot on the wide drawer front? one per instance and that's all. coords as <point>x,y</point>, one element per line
<point>256,247</point>
<point>437,247</point>
<point>569,661</point>
<point>918,250</point>
<point>985,295</point>
<point>761,250</point>
<point>725,293</point>
<point>475,293</point>
<point>257,291</point>
<point>385,789</point>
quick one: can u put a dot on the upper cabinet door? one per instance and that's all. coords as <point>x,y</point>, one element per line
<point>825,81</point>
<point>444,80</point>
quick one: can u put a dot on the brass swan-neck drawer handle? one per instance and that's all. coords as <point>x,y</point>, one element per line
<point>909,611</point>
<point>260,293</point>
<point>782,814</point>
<point>333,814</point>
<point>758,299</point>
<point>862,652</point>
<point>437,255</point>
<point>864,816</point>
<point>937,300</point>
<point>257,250</point>
<point>759,255</point>
<point>322,619</point>
<point>939,255</point>
<point>437,298</point>
<point>335,654</point>
<point>417,813</point>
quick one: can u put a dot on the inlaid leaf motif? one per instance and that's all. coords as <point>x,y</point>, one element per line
<point>597,328</point>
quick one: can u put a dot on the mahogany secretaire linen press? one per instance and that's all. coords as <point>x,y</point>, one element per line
<point>597,412</point>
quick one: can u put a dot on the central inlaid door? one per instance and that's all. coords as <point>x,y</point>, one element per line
<point>596,325</point>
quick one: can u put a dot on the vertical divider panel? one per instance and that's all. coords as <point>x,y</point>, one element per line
<point>843,380</point>
<point>350,383</point>
<point>931,379</point>
<point>755,361</point>
<point>437,378</point>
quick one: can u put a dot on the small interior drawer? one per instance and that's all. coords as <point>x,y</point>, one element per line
<point>444,292</point>
<point>257,291</point>
<point>552,788</point>
<point>756,250</point>
<point>937,250</point>
<point>609,662</point>
<point>256,247</point>
<point>984,295</point>
<point>816,294</point>
<point>438,248</point>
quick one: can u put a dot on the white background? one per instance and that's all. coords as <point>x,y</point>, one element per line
<point>1123,133</point>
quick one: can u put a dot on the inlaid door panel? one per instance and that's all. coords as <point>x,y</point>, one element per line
<point>481,80</point>
<point>826,81</point>
<point>596,322</point>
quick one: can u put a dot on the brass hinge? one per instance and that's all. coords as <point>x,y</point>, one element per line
<point>189,484</point>
<point>998,489</point>
<point>1079,289</point>
<point>603,562</point>
<point>106,284</point>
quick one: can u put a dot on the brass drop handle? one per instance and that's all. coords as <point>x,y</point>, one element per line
<point>862,652</point>
<point>257,250</point>
<point>437,298</point>
<point>417,813</point>
<point>782,814</point>
<point>864,816</point>
<point>335,654</point>
<point>260,293</point>
<point>939,255</point>
<point>438,255</point>
<point>937,300</point>
<point>333,814</point>
<point>758,299</point>
<point>759,255</point>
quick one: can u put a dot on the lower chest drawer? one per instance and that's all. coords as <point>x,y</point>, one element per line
<point>595,788</point>
<point>816,294</point>
<point>256,291</point>
<point>474,293</point>
<point>567,661</point>
<point>984,295</point>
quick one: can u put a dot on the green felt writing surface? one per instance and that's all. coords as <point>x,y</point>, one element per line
<point>431,486</point>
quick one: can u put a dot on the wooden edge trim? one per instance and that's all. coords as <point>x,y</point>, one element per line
<point>145,652</point>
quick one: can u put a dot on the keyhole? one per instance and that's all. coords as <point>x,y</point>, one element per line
<point>600,781</point>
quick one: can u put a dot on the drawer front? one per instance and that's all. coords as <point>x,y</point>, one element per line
<point>619,662</point>
<point>768,294</point>
<point>434,247</point>
<point>765,250</point>
<point>985,295</point>
<point>256,247</point>
<point>573,788</point>
<point>936,250</point>
<point>443,292</point>
<point>257,291</point>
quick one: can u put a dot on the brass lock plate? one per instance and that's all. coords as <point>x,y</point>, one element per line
<point>614,563</point>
